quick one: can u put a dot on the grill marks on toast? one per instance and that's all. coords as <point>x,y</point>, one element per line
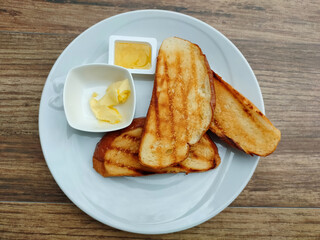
<point>123,150</point>
<point>155,104</point>
<point>198,155</point>
<point>173,139</point>
<point>180,76</point>
<point>117,154</point>
<point>185,95</point>
<point>240,123</point>
<point>194,82</point>
<point>180,110</point>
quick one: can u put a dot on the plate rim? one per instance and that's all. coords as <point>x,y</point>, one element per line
<point>128,228</point>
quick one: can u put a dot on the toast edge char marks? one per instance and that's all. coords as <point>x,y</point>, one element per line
<point>117,170</point>
<point>248,107</point>
<point>154,109</point>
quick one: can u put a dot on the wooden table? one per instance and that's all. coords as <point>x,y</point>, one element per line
<point>281,41</point>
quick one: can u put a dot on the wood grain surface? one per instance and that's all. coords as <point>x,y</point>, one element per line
<point>280,40</point>
<point>42,220</point>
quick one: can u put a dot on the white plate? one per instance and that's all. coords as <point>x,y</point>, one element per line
<point>154,204</point>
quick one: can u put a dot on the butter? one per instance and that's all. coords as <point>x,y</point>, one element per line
<point>117,93</point>
<point>103,109</point>
<point>133,55</point>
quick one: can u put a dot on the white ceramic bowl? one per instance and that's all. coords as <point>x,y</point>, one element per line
<point>81,82</point>
<point>152,42</point>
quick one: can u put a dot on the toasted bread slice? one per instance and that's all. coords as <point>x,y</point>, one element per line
<point>240,123</point>
<point>181,105</point>
<point>117,154</point>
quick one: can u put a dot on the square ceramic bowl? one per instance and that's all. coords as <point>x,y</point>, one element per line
<point>81,83</point>
<point>152,42</point>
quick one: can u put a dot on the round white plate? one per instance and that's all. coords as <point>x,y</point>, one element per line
<point>153,204</point>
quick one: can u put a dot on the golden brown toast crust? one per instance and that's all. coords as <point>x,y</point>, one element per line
<point>181,106</point>
<point>256,117</point>
<point>109,168</point>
